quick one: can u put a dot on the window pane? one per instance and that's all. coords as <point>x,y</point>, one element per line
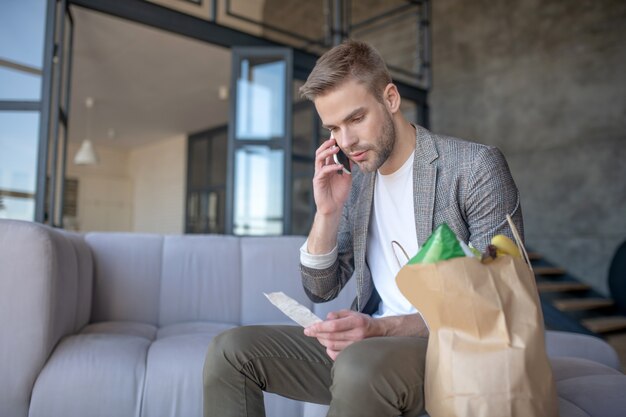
<point>305,140</point>
<point>302,198</point>
<point>261,99</point>
<point>198,160</point>
<point>207,160</point>
<point>259,179</point>
<point>18,163</point>
<point>22,25</point>
<point>205,212</point>
<point>219,150</point>
<point>18,85</point>
<point>304,135</point>
<point>17,208</point>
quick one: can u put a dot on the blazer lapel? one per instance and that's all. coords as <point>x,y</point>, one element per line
<point>424,183</point>
<point>361,224</point>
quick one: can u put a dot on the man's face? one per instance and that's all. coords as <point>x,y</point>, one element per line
<point>361,125</point>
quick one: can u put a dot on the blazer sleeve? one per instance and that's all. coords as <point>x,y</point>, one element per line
<point>323,285</point>
<point>491,195</point>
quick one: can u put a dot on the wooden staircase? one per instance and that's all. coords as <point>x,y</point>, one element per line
<point>571,305</point>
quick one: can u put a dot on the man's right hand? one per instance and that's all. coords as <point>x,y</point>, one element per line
<point>330,189</point>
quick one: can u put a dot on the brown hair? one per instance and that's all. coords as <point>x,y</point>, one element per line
<point>352,59</point>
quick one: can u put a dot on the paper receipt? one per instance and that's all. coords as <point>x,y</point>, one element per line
<point>293,309</point>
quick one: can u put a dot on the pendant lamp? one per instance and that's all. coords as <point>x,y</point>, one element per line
<point>86,154</point>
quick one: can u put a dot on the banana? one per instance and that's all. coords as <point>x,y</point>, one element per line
<point>505,246</point>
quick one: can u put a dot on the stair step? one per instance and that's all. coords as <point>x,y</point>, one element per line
<point>576,304</point>
<point>547,286</point>
<point>605,324</point>
<point>548,270</point>
<point>534,256</point>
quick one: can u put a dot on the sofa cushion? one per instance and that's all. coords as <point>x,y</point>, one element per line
<point>569,409</point>
<point>173,383</point>
<point>578,345</point>
<point>84,278</point>
<point>597,395</point>
<point>175,361</point>
<point>200,280</point>
<point>127,276</point>
<point>92,372</point>
<point>191,328</point>
<point>314,410</point>
<point>277,406</point>
<point>568,368</point>
<point>588,388</point>
<point>269,264</point>
<point>128,328</point>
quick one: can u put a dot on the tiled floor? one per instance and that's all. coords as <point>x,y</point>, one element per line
<point>618,341</point>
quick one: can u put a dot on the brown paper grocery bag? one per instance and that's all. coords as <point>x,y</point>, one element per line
<point>486,351</point>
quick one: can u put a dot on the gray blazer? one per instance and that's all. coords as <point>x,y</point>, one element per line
<point>465,184</point>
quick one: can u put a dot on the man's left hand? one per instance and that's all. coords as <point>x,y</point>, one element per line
<point>341,329</point>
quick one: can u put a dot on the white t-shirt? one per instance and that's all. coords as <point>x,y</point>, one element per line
<point>393,218</point>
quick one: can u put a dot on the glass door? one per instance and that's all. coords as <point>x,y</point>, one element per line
<point>259,142</point>
<point>306,138</point>
<point>206,181</point>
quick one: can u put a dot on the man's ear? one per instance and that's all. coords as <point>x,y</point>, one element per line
<point>391,98</point>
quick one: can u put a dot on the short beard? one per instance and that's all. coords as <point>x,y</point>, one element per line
<point>385,145</point>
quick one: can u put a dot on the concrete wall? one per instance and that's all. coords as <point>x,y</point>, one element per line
<point>544,80</point>
<point>394,37</point>
<point>251,9</point>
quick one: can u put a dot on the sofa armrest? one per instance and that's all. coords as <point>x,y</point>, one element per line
<point>45,294</point>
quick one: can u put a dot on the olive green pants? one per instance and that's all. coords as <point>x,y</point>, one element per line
<point>378,377</point>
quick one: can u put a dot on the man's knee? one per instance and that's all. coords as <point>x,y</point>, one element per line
<point>373,361</point>
<point>225,352</point>
<point>380,376</point>
<point>359,362</point>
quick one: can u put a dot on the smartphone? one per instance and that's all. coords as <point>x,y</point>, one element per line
<point>341,158</point>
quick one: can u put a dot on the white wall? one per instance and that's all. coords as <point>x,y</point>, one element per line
<point>158,172</point>
<point>138,190</point>
<point>104,191</point>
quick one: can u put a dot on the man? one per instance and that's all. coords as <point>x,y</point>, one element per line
<point>367,361</point>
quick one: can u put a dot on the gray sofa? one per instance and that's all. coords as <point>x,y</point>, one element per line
<point>117,324</point>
